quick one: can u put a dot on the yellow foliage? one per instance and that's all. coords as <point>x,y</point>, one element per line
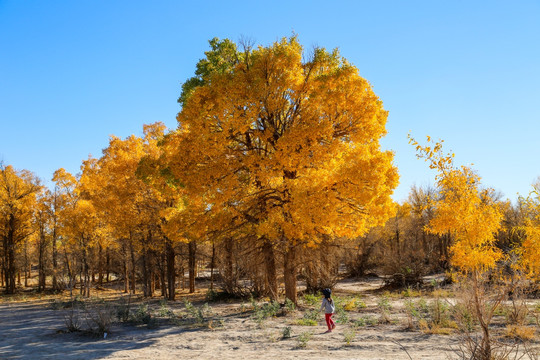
<point>521,332</point>
<point>286,147</point>
<point>469,214</point>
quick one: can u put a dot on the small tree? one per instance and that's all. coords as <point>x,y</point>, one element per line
<point>472,218</point>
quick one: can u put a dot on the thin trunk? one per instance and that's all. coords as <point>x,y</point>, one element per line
<point>41,260</point>
<point>126,271</point>
<point>108,266</point>
<point>9,248</point>
<point>54,260</point>
<point>163,274</point>
<point>100,265</point>
<point>485,346</point>
<point>171,271</point>
<point>146,290</point>
<point>398,247</point>
<point>192,265</point>
<point>133,274</point>
<point>212,264</point>
<point>27,265</point>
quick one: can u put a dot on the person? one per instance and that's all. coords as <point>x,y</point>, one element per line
<point>329,308</point>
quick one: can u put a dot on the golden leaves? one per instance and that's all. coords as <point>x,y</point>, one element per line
<point>463,210</point>
<point>290,147</point>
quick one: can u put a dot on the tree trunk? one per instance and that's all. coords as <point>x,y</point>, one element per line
<point>126,270</point>
<point>146,290</point>
<point>27,266</point>
<point>54,260</point>
<point>100,265</point>
<point>212,264</point>
<point>270,270</point>
<point>133,274</point>
<point>41,260</point>
<point>108,265</point>
<point>289,272</point>
<point>192,264</point>
<point>171,271</point>
<point>163,273</point>
<point>9,248</point>
<point>228,271</point>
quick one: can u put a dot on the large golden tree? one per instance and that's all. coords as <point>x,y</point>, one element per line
<point>284,147</point>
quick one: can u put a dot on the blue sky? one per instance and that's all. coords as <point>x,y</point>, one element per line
<point>74,72</point>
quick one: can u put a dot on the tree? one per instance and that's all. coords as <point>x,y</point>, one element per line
<point>18,191</point>
<point>530,249</point>
<point>286,150</point>
<point>473,218</point>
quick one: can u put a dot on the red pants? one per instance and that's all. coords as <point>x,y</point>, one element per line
<point>329,321</point>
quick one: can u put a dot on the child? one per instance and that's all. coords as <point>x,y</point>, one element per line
<point>328,306</point>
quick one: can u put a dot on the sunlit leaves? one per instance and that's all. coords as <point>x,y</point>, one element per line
<point>463,210</point>
<point>286,147</point>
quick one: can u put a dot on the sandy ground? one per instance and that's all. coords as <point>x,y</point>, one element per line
<point>34,330</point>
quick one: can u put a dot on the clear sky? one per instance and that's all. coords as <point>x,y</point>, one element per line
<point>74,72</point>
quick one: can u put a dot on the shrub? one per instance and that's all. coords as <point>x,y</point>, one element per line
<point>142,315</point>
<point>312,299</point>
<point>100,318</point>
<point>123,309</point>
<point>303,339</point>
<point>353,304</point>
<point>198,314</point>
<point>286,332</point>
<point>289,305</point>
<point>165,311</point>
<point>349,335</point>
<point>265,311</point>
<point>439,312</point>
<point>518,332</point>
<point>384,307</point>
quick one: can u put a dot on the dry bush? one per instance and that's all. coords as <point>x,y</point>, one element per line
<point>520,332</point>
<point>405,270</point>
<point>361,259</point>
<point>320,267</point>
<point>99,317</point>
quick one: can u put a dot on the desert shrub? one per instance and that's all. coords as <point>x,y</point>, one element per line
<point>289,306</point>
<point>360,260</point>
<point>384,307</point>
<point>520,332</point>
<point>304,338</point>
<point>342,317</point>
<point>439,312</point>
<point>286,332</point>
<point>261,313</point>
<point>123,309</point>
<point>349,335</point>
<point>464,317</point>
<point>321,269</point>
<point>516,312</point>
<point>198,314</point>
<point>306,322</point>
<point>310,318</point>
<point>142,315</point>
<point>351,304</point>
<point>412,313</point>
<point>72,320</point>
<point>365,321</point>
<point>99,318</point>
<point>312,299</point>
<point>409,292</point>
<point>165,311</point>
